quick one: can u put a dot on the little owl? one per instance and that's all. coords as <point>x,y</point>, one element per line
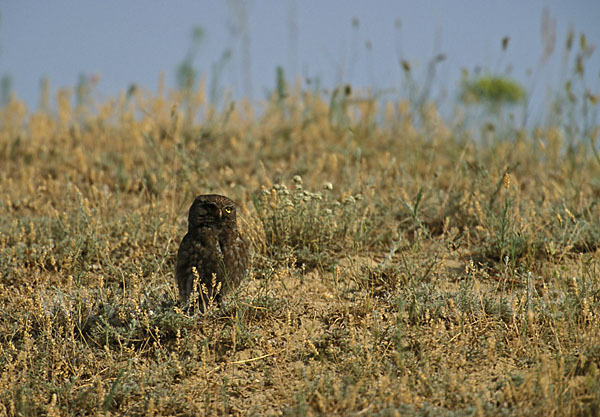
<point>213,257</point>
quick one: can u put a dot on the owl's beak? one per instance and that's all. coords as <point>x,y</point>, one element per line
<point>220,213</point>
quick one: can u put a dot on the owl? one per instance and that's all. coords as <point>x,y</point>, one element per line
<point>212,259</point>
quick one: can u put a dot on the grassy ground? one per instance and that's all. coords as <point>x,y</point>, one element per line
<point>400,267</point>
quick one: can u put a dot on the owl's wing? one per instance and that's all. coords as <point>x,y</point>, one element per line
<point>196,251</point>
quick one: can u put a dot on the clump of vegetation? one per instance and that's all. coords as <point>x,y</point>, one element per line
<point>492,90</point>
<point>311,226</point>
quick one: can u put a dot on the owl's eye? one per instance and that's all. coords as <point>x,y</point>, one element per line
<point>227,210</point>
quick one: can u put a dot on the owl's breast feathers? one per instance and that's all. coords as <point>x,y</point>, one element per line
<point>235,254</point>
<point>211,252</point>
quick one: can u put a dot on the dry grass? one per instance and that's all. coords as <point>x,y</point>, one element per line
<point>399,268</point>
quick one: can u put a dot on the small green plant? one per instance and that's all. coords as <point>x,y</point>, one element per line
<point>508,242</point>
<point>493,91</point>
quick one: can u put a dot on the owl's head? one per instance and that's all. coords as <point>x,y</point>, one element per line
<point>212,210</point>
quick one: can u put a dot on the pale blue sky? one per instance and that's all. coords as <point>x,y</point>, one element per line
<point>131,41</point>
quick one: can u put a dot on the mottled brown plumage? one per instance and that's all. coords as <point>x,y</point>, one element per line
<point>214,247</point>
